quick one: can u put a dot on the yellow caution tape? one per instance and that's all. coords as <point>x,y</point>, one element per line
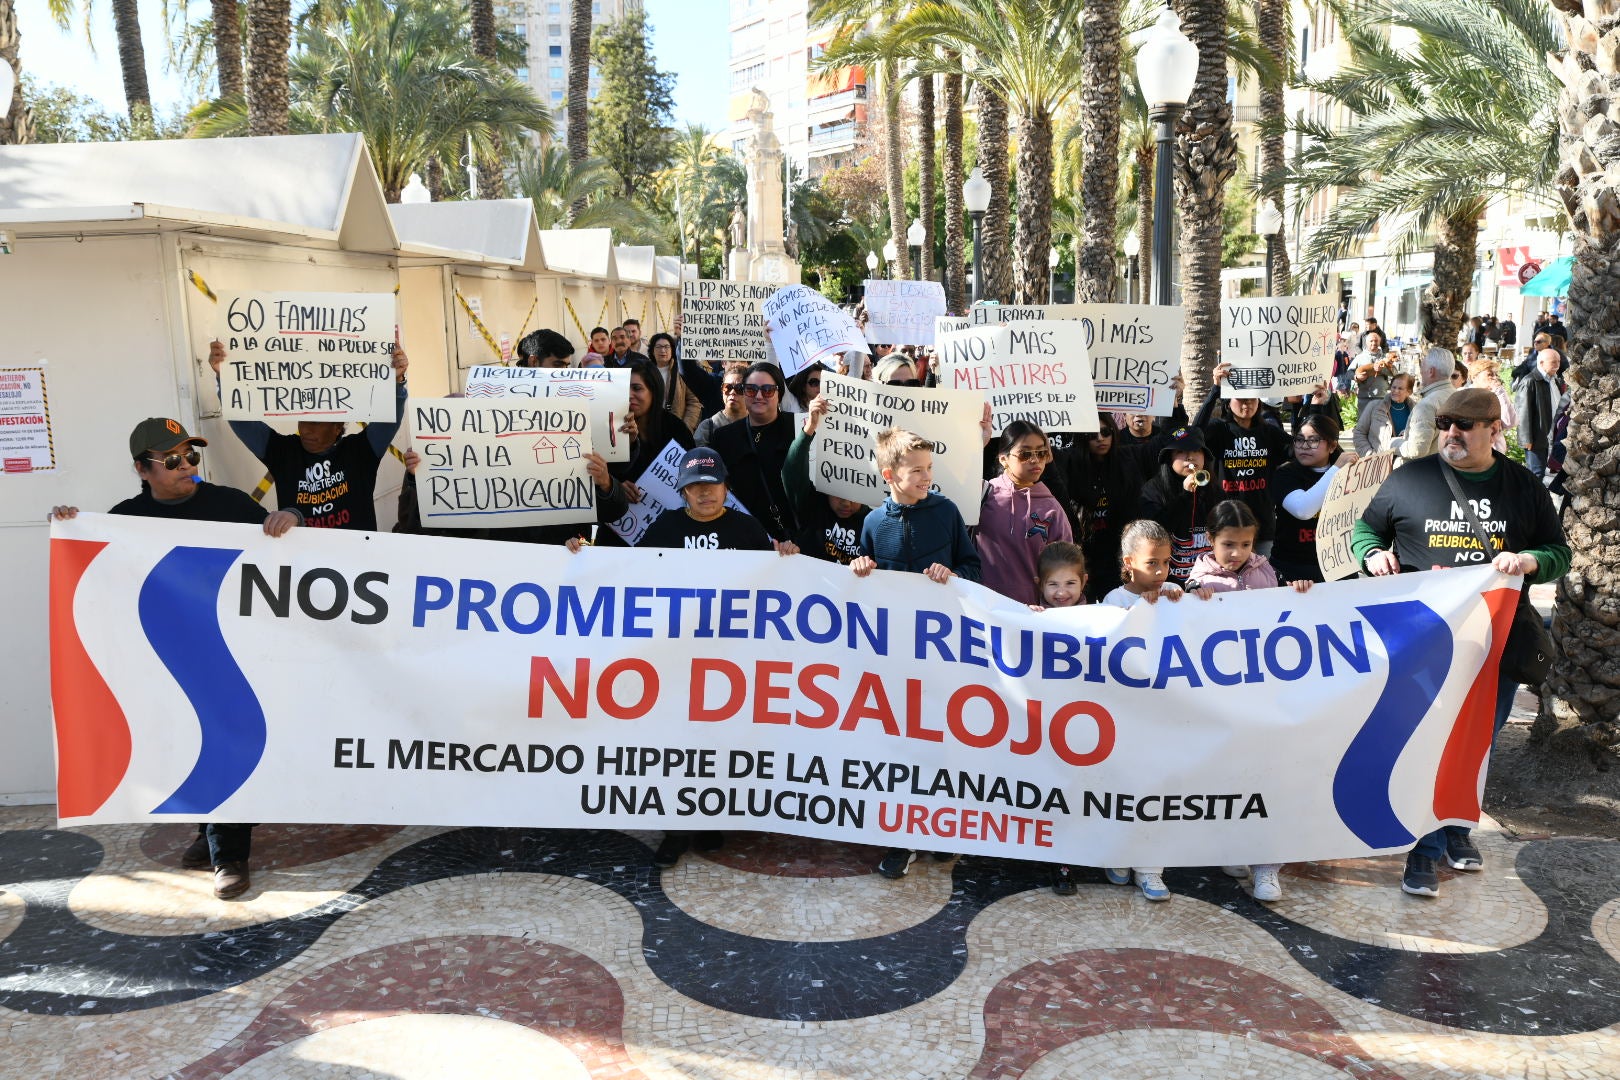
<point>478,324</point>
<point>572,314</point>
<point>264,488</point>
<point>202,286</point>
<point>524,329</point>
<point>600,318</point>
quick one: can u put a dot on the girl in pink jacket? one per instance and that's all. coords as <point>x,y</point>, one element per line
<point>1018,516</point>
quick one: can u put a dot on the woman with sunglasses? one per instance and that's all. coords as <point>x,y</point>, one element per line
<point>1018,515</point>
<point>733,407</point>
<point>755,451</point>
<point>803,388</point>
<point>1300,487</point>
<point>896,370</point>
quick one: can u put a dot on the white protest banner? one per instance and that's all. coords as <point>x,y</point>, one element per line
<point>501,463</point>
<point>603,392</point>
<point>1352,489</point>
<point>658,495</point>
<point>723,320</point>
<point>1278,345</point>
<point>307,356</point>
<point>806,328</point>
<point>477,683</point>
<point>1035,371</point>
<point>858,411</point>
<point>903,312</point>
<point>26,445</point>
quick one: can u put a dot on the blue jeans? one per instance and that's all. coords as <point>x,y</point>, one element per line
<point>1536,463</point>
<point>228,843</point>
<point>1434,844</point>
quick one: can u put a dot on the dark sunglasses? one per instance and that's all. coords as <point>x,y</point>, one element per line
<point>172,462</point>
<point>1445,423</point>
<point>1043,454</point>
<point>731,387</point>
<point>903,382</point>
<point>767,390</point>
<point>813,382</point>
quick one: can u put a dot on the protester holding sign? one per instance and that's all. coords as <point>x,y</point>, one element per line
<point>651,427</point>
<point>1179,497</point>
<point>1299,488</point>
<point>545,349</point>
<point>166,458</point>
<point>328,477</point>
<point>1415,522</point>
<point>678,397</point>
<point>1102,481</point>
<point>611,505</point>
<point>829,527</point>
<point>1244,453</point>
<point>755,451</point>
<point>1018,516</point>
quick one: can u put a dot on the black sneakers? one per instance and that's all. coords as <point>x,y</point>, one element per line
<point>896,863</point>
<point>1461,852</point>
<point>674,845</point>
<point>1063,880</point>
<point>1420,878</point>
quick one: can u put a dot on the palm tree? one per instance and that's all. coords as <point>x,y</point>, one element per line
<point>269,38</point>
<point>1271,23</point>
<point>1577,698</point>
<point>925,168</point>
<point>226,24</point>
<point>14,125</point>
<point>554,182</point>
<point>1100,126</point>
<point>131,53</point>
<point>1028,53</point>
<point>1205,159</point>
<point>481,13</point>
<point>401,73</point>
<point>955,241</point>
<point>995,261</point>
<point>1442,129</point>
<point>579,87</point>
<point>694,155</point>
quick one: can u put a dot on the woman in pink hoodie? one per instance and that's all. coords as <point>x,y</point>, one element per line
<point>1018,516</point>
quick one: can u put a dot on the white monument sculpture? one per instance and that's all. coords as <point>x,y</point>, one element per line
<point>766,257</point>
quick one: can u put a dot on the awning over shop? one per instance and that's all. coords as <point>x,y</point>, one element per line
<point>836,81</point>
<point>1553,279</point>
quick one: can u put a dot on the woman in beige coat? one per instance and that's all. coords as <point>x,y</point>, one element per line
<point>678,397</point>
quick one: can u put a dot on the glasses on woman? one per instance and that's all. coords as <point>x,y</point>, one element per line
<point>1307,442</point>
<point>1043,454</point>
<point>172,461</point>
<point>762,390</point>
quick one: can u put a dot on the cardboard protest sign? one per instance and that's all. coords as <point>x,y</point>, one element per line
<point>1036,371</point>
<point>658,494</point>
<point>1278,345</point>
<point>806,328</point>
<point>722,320</point>
<point>1348,495</point>
<point>307,356</point>
<point>903,312</point>
<point>842,462</point>
<point>603,392</point>
<point>501,463</point>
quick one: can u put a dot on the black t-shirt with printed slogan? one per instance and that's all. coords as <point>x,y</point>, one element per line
<point>333,490</point>
<point>1415,507</point>
<point>731,531</point>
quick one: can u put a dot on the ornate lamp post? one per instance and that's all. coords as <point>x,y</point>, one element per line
<point>1270,222</point>
<point>1133,249</point>
<point>976,196</point>
<point>914,240</point>
<point>891,255</point>
<point>1166,67</point>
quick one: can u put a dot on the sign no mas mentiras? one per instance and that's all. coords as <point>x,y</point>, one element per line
<point>1035,371</point>
<point>307,356</point>
<point>1278,345</point>
<point>502,463</point>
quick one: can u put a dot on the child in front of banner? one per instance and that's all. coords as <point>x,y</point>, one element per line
<point>1018,516</point>
<point>916,530</point>
<point>1231,565</point>
<point>1060,581</point>
<point>705,523</point>
<point>1144,569</point>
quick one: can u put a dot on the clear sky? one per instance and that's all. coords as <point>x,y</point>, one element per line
<point>689,39</point>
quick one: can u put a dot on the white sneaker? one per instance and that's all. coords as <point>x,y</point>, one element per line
<point>1118,875</point>
<point>1267,887</point>
<point>1238,872</point>
<point>1152,886</point>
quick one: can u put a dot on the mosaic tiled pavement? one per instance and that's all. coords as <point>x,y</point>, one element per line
<point>371,951</point>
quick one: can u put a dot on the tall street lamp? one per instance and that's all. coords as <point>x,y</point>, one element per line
<point>1166,67</point>
<point>1052,259</point>
<point>1270,222</point>
<point>891,255</point>
<point>1133,248</point>
<point>976,196</point>
<point>914,239</point>
<point>871,269</point>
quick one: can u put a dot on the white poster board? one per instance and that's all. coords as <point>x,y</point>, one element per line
<point>1035,371</point>
<point>307,356</point>
<point>501,463</point>
<point>842,462</point>
<point>806,328</point>
<point>26,445</point>
<point>1347,498</point>
<point>1278,345</point>
<point>658,494</point>
<point>903,312</point>
<point>604,392</point>
<point>722,320</point>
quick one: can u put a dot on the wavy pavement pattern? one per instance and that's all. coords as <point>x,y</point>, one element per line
<point>1562,983</point>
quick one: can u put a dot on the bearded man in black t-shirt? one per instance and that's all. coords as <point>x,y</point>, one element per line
<point>1413,523</point>
<point>166,459</point>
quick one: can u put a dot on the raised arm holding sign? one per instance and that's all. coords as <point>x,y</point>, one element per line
<point>1035,371</point>
<point>1278,346</point>
<point>308,356</point>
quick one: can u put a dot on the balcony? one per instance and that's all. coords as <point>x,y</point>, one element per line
<point>837,135</point>
<point>855,95</point>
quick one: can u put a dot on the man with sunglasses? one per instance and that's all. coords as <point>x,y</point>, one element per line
<point>734,409</point>
<point>166,457</point>
<point>1413,523</point>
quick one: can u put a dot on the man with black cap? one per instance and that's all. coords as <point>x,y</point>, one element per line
<point>1413,523</point>
<point>166,457</point>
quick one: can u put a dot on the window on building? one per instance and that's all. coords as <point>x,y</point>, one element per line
<point>554,30</point>
<point>748,39</point>
<point>596,11</point>
<point>553,9</point>
<point>554,72</point>
<point>554,50</point>
<point>556,95</point>
<point>520,29</point>
<point>744,77</point>
<point>522,73</point>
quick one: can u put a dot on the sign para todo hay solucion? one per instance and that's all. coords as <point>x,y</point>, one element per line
<point>501,463</point>
<point>603,392</point>
<point>1278,346</point>
<point>1035,371</point>
<point>307,356</point>
<point>723,320</point>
